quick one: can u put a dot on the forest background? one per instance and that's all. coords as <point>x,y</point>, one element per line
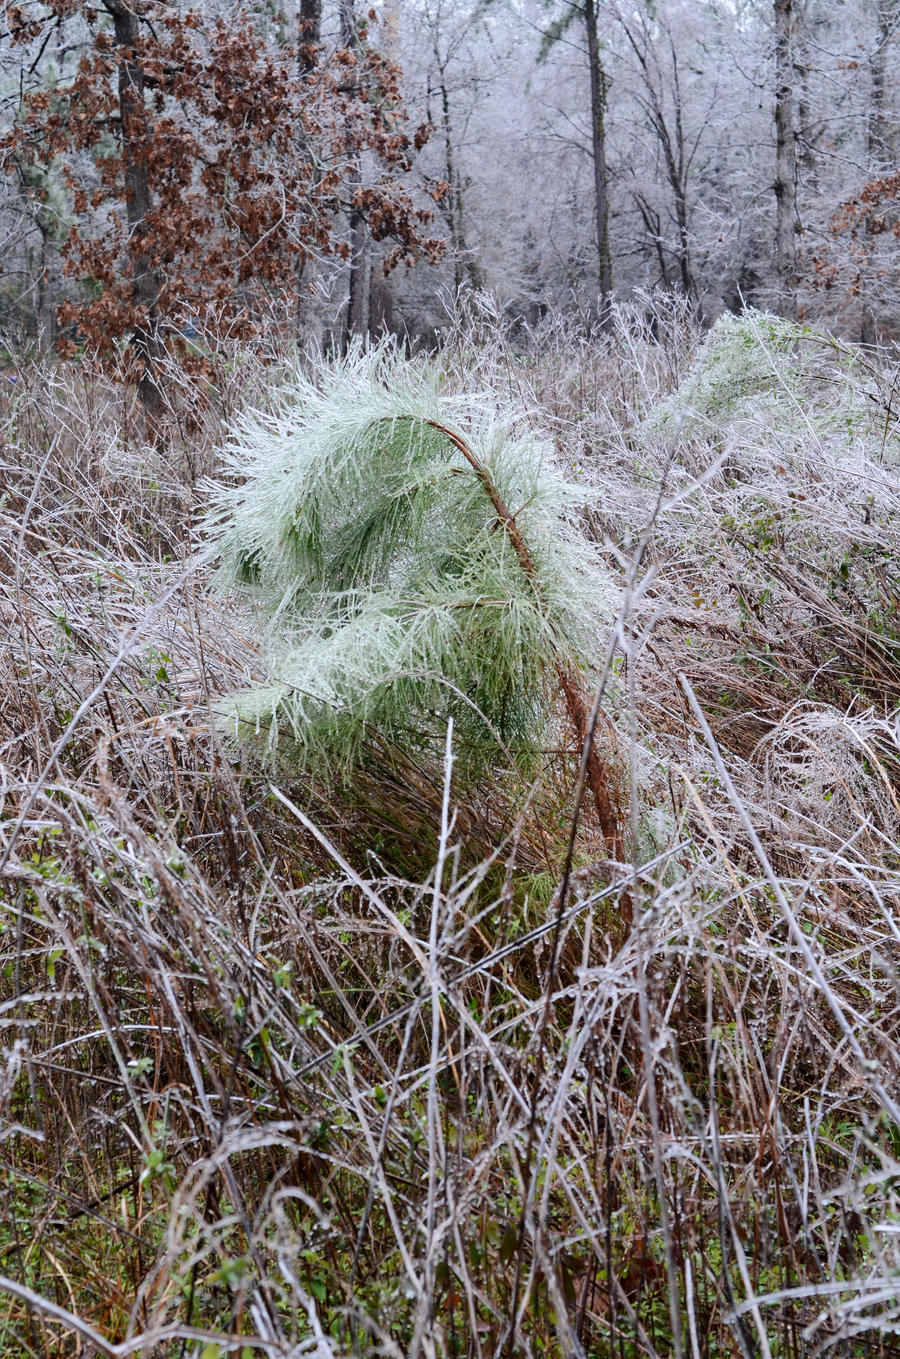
<point>289,157</point>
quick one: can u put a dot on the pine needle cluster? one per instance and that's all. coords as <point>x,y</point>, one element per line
<point>759,371</point>
<point>360,512</point>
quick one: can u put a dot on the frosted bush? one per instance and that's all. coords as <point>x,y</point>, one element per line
<point>827,776</point>
<point>759,377</point>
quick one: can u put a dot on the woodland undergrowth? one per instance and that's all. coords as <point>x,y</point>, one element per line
<point>295,1066</point>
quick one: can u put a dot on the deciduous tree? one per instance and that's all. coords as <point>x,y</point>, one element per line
<point>206,165</point>
<point>785,185</point>
<point>586,15</point>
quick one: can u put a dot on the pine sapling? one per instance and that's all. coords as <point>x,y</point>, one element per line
<point>415,556</point>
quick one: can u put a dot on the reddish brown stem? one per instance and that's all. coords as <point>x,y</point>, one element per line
<point>576,703</point>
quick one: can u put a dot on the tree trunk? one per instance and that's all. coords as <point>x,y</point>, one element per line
<point>880,143</point>
<point>381,304</point>
<point>48,286</point>
<point>785,160</point>
<point>357,318</point>
<point>309,323</point>
<point>309,33</point>
<point>358,300</point>
<point>599,99</point>
<point>463,264</point>
<point>145,279</point>
<point>677,165</point>
<point>881,129</point>
<point>809,128</point>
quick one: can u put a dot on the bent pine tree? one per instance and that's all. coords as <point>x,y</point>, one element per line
<point>416,557</point>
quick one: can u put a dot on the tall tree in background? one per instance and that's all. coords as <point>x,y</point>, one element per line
<point>357,317</point>
<point>599,94</point>
<point>599,101</point>
<point>42,205</point>
<point>307,318</point>
<point>465,266</point>
<point>309,32</point>
<point>881,135</point>
<point>881,145</point>
<point>660,96</point>
<point>785,185</point>
<point>134,140</point>
<point>205,165</point>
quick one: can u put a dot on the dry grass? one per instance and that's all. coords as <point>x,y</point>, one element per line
<point>342,1070</point>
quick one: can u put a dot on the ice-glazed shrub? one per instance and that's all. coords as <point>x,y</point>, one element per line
<point>757,372</point>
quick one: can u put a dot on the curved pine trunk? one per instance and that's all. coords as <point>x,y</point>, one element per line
<point>577,706</point>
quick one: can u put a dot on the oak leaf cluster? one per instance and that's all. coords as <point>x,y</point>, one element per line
<point>207,167</point>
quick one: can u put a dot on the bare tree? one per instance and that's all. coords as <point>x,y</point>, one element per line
<point>356,321</point>
<point>785,185</point>
<point>881,134</point>
<point>599,87</point>
<point>465,267</point>
<point>666,119</point>
<point>125,15</point>
<point>599,101</point>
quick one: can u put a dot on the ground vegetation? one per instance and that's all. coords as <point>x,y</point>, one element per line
<point>397,1058</point>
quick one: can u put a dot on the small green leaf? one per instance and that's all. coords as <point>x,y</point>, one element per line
<point>232,1273</point>
<point>308,1016</point>
<point>509,1243</point>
